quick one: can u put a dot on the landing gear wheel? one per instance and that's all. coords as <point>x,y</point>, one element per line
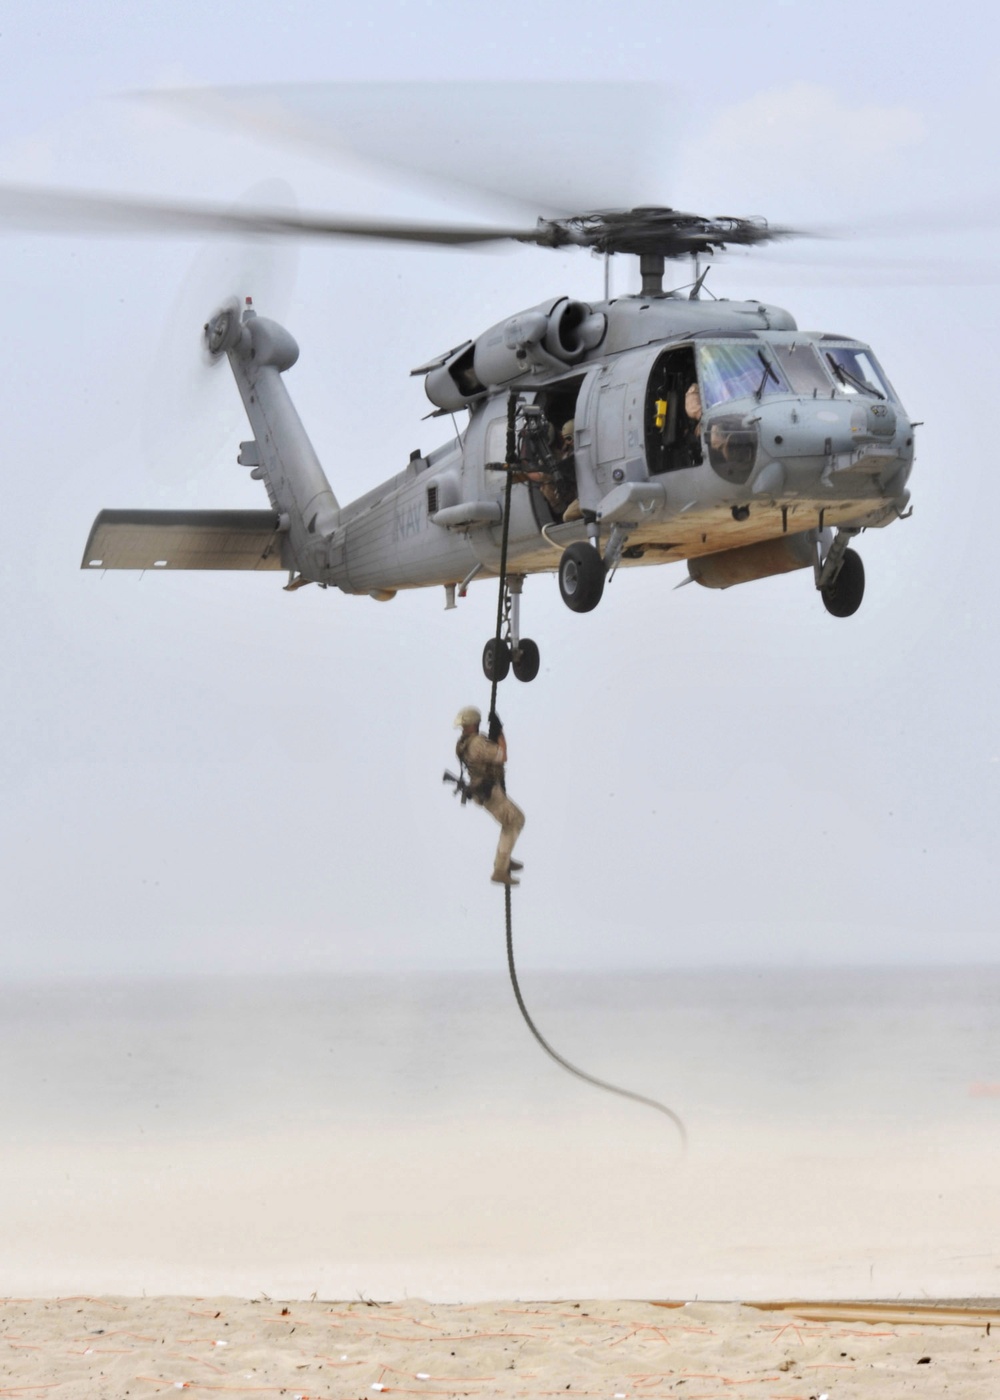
<point>842,598</point>
<point>526,664</point>
<point>581,577</point>
<point>495,659</point>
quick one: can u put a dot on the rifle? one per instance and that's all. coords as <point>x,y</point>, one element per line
<point>461,786</point>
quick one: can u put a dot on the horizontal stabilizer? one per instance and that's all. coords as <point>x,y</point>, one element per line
<point>185,539</point>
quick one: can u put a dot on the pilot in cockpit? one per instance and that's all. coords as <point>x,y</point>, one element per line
<point>692,406</point>
<point>688,450</point>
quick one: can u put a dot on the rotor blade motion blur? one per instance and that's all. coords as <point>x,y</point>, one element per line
<point>660,232</point>
<point>553,147</point>
<point>81,212</point>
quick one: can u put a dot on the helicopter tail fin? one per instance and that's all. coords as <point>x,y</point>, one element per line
<point>280,453</point>
<point>294,534</point>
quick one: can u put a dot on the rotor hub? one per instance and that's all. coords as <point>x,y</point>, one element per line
<point>223,329</point>
<point>655,232</point>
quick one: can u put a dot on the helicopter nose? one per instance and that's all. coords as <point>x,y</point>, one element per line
<point>810,442</point>
<point>809,428</point>
<point>784,443</point>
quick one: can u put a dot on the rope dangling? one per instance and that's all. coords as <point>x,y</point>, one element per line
<point>512,463</point>
<point>675,1118</point>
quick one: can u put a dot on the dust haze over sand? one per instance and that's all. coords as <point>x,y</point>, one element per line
<point>406,1137</point>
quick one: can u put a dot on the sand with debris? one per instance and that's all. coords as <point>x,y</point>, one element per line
<point>109,1348</point>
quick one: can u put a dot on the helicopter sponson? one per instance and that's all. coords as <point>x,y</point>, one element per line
<point>644,430</point>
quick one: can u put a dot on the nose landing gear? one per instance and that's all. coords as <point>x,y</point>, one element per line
<point>515,653</point>
<point>843,596</point>
<point>840,577</point>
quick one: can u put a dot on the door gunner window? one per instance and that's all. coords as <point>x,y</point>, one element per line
<point>547,448</point>
<point>673,413</point>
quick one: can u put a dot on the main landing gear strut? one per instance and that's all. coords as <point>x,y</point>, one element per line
<point>514,652</point>
<point>584,569</point>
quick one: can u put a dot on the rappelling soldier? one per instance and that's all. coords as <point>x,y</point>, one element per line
<point>484,759</point>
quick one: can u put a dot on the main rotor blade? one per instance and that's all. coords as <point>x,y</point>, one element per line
<point>954,220</point>
<point>663,232</point>
<point>75,211</point>
<point>555,147</point>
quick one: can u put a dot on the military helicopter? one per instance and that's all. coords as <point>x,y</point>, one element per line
<point>644,429</point>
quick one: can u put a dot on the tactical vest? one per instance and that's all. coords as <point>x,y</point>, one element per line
<point>483,777</point>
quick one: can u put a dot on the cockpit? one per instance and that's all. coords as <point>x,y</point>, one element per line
<point>702,397</point>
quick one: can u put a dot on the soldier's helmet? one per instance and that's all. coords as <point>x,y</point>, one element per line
<point>470,715</point>
<point>568,429</point>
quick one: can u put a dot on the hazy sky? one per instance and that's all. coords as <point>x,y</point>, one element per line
<point>201,772</point>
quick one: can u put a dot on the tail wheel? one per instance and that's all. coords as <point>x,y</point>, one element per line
<point>527,660</point>
<point>843,596</point>
<point>581,577</point>
<point>496,659</point>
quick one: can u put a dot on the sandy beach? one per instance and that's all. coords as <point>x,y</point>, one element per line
<point>108,1348</point>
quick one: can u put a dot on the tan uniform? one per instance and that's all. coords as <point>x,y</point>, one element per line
<point>485,764</point>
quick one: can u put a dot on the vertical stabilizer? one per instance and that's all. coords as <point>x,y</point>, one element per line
<point>280,454</point>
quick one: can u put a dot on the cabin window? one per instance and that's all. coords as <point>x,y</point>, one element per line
<point>732,446</point>
<point>496,441</point>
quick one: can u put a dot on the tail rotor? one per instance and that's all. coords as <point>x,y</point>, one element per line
<point>192,420</point>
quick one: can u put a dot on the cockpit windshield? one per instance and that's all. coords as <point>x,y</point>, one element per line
<point>737,372</point>
<point>803,368</point>
<point>856,371</point>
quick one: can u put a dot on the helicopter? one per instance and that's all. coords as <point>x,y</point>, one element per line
<point>645,429</point>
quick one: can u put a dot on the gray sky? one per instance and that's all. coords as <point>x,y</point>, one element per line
<point>202,772</point>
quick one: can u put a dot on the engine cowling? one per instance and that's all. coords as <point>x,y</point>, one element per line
<point>551,335</point>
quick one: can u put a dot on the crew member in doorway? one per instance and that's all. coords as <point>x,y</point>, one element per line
<point>484,759</point>
<point>566,457</point>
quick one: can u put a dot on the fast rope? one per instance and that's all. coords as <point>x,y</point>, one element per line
<point>511,464</point>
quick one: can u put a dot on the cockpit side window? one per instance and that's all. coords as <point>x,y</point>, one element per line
<point>857,371</point>
<point>746,370</point>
